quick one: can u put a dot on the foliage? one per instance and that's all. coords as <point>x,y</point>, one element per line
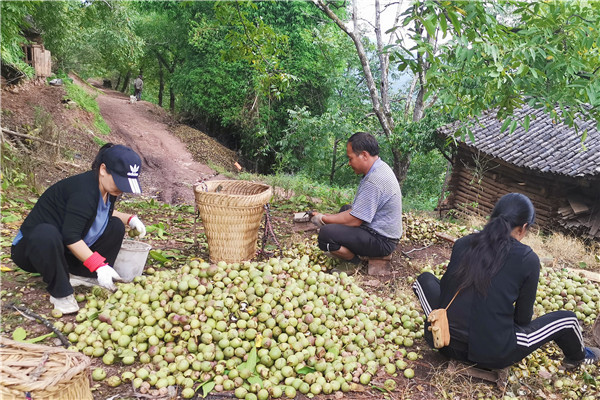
<point>88,103</point>
<point>424,181</point>
<point>13,21</point>
<point>299,192</point>
<point>500,55</point>
<point>93,37</point>
<point>12,172</point>
<point>253,61</point>
<point>316,146</point>
<point>257,43</point>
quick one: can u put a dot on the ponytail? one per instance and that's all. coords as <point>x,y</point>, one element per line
<point>488,249</point>
<point>99,157</point>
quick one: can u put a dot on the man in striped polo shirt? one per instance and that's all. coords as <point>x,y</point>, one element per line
<point>372,227</point>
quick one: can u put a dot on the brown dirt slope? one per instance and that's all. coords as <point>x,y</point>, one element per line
<point>169,170</point>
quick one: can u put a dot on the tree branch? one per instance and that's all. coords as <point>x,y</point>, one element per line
<point>28,137</point>
<point>362,55</point>
<point>254,44</point>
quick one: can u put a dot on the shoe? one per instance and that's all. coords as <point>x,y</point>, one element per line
<point>66,305</point>
<point>76,280</point>
<point>592,356</point>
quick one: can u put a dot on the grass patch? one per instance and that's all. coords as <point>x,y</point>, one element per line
<point>100,142</point>
<point>297,192</point>
<point>565,250</point>
<point>87,103</point>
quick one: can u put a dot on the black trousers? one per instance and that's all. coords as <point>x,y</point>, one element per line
<point>43,251</point>
<point>359,240</point>
<point>560,326</point>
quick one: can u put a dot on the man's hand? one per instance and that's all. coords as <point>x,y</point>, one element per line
<point>106,276</point>
<point>317,219</point>
<point>138,226</point>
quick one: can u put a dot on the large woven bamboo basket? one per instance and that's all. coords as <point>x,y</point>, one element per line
<point>47,373</point>
<point>231,212</point>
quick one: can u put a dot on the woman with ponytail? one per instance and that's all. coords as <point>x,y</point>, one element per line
<point>496,278</point>
<point>73,233</point>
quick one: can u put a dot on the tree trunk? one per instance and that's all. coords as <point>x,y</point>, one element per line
<point>378,108</point>
<point>419,104</point>
<point>333,161</point>
<point>401,164</point>
<point>161,84</point>
<point>172,99</point>
<point>118,82</point>
<point>126,81</point>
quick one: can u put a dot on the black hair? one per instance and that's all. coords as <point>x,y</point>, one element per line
<point>489,248</point>
<point>100,157</point>
<point>363,141</point>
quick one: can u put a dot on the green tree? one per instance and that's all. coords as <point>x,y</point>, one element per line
<point>493,55</point>
<point>265,58</point>
<point>93,38</point>
<point>14,21</point>
<point>545,54</point>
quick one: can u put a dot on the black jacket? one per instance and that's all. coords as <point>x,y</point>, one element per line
<point>70,205</point>
<point>486,323</point>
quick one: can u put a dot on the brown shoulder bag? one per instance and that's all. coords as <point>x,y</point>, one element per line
<point>439,325</point>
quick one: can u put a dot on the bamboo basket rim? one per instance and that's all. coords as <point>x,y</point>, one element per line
<point>204,194</point>
<point>225,183</point>
<point>18,360</point>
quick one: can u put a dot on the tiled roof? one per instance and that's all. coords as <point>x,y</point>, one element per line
<point>546,147</point>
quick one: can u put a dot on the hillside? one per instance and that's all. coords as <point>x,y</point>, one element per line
<point>169,167</point>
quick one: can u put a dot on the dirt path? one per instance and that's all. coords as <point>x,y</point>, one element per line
<point>169,171</point>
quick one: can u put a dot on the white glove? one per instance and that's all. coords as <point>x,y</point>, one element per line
<point>106,276</point>
<point>317,219</point>
<point>135,223</point>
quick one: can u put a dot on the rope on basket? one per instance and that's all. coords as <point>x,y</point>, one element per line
<point>268,232</point>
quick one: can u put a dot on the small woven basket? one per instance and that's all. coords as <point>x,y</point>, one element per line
<point>231,212</point>
<point>47,373</point>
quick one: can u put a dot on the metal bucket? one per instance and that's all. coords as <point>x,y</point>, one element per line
<point>131,259</point>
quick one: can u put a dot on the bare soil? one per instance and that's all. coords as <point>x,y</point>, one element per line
<point>169,170</point>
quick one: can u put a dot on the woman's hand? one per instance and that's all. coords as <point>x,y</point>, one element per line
<point>137,225</point>
<point>106,276</point>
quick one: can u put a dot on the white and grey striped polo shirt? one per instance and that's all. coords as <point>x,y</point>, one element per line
<point>378,201</point>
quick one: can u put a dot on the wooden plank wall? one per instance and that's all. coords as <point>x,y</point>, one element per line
<point>39,58</point>
<point>475,187</point>
<point>41,61</point>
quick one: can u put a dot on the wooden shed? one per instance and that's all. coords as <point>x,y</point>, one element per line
<point>549,163</point>
<point>39,58</point>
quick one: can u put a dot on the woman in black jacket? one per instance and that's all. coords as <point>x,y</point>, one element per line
<point>74,229</point>
<point>496,277</point>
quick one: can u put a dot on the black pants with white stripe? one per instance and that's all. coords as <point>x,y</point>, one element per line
<point>560,326</point>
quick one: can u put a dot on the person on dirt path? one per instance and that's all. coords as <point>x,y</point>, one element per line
<point>372,226</point>
<point>496,278</point>
<point>73,233</point>
<point>138,85</point>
